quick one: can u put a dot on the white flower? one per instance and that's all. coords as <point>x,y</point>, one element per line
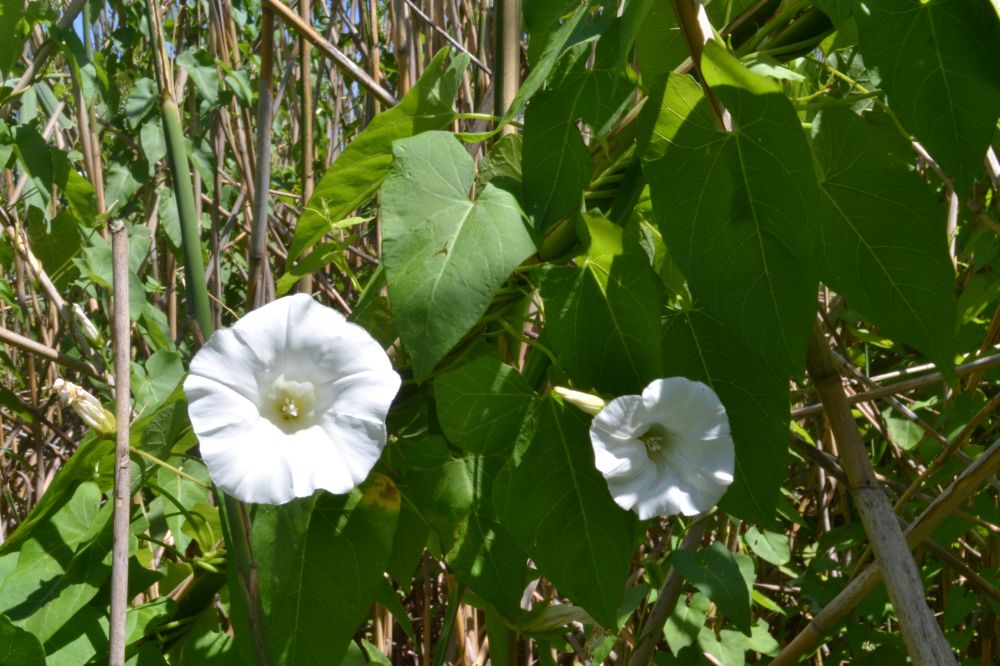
<point>290,399</point>
<point>667,451</point>
<point>85,326</point>
<point>87,407</point>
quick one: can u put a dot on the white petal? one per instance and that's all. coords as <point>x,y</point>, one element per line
<point>358,444</point>
<point>247,461</point>
<point>628,491</point>
<point>212,405</point>
<point>669,401</point>
<point>622,418</point>
<point>623,458</point>
<point>226,360</point>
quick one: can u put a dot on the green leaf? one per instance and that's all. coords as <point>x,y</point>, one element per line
<point>686,621</point>
<point>579,28</point>
<point>555,503</point>
<point>321,568</point>
<point>62,566</point>
<point>359,170</point>
<point>770,546</point>
<point>15,27</point>
<point>55,243</point>
<point>938,64</point>
<point>715,573</point>
<point>556,163</point>
<point>502,166</point>
<point>739,210</point>
<point>142,99</point>
<point>482,404</point>
<point>50,168</point>
<point>700,347</point>
<point>445,256</point>
<point>603,318</point>
<point>121,181</point>
<point>19,647</point>
<point>200,66</point>
<point>155,382</point>
<point>79,467</point>
<point>455,497</point>
<point>884,244</point>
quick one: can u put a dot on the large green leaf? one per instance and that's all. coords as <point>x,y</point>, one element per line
<point>445,256</point>
<point>700,347</point>
<point>482,404</point>
<point>555,503</point>
<point>715,572</point>
<point>555,161</point>
<point>455,497</point>
<point>321,562</point>
<point>603,318</point>
<point>885,245</point>
<point>938,64</point>
<point>739,210</point>
<point>358,171</point>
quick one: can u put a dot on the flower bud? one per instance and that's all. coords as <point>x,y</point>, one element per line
<point>583,401</point>
<point>86,406</point>
<point>86,327</point>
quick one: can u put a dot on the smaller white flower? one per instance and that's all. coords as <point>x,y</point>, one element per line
<point>292,398</point>
<point>87,407</point>
<point>667,451</point>
<point>585,402</point>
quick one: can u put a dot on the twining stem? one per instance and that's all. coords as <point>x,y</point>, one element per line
<point>924,639</point>
<point>123,470</point>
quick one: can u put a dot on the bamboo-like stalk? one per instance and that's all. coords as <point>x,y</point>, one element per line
<point>924,639</point>
<point>507,59</point>
<point>944,506</point>
<point>123,472</point>
<point>307,138</point>
<point>342,61</point>
<point>258,291</point>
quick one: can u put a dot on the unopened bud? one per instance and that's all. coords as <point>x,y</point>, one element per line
<point>86,406</point>
<point>586,402</point>
<point>85,326</point>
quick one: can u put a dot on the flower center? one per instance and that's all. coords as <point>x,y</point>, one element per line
<point>656,439</point>
<point>291,404</point>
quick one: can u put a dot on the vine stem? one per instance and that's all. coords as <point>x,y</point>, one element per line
<point>123,469</point>
<point>924,639</point>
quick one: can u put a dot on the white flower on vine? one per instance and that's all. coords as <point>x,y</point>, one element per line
<point>667,451</point>
<point>292,398</point>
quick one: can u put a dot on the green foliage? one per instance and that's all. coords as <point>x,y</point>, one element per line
<point>440,280</point>
<point>360,169</point>
<point>642,216</point>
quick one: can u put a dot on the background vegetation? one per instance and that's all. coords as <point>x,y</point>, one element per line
<point>510,197</point>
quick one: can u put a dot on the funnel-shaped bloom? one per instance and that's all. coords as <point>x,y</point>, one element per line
<point>290,399</point>
<point>667,451</point>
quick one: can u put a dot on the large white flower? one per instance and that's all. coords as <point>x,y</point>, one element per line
<point>290,399</point>
<point>667,451</point>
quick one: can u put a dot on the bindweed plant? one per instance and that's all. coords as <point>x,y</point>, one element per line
<point>610,332</point>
